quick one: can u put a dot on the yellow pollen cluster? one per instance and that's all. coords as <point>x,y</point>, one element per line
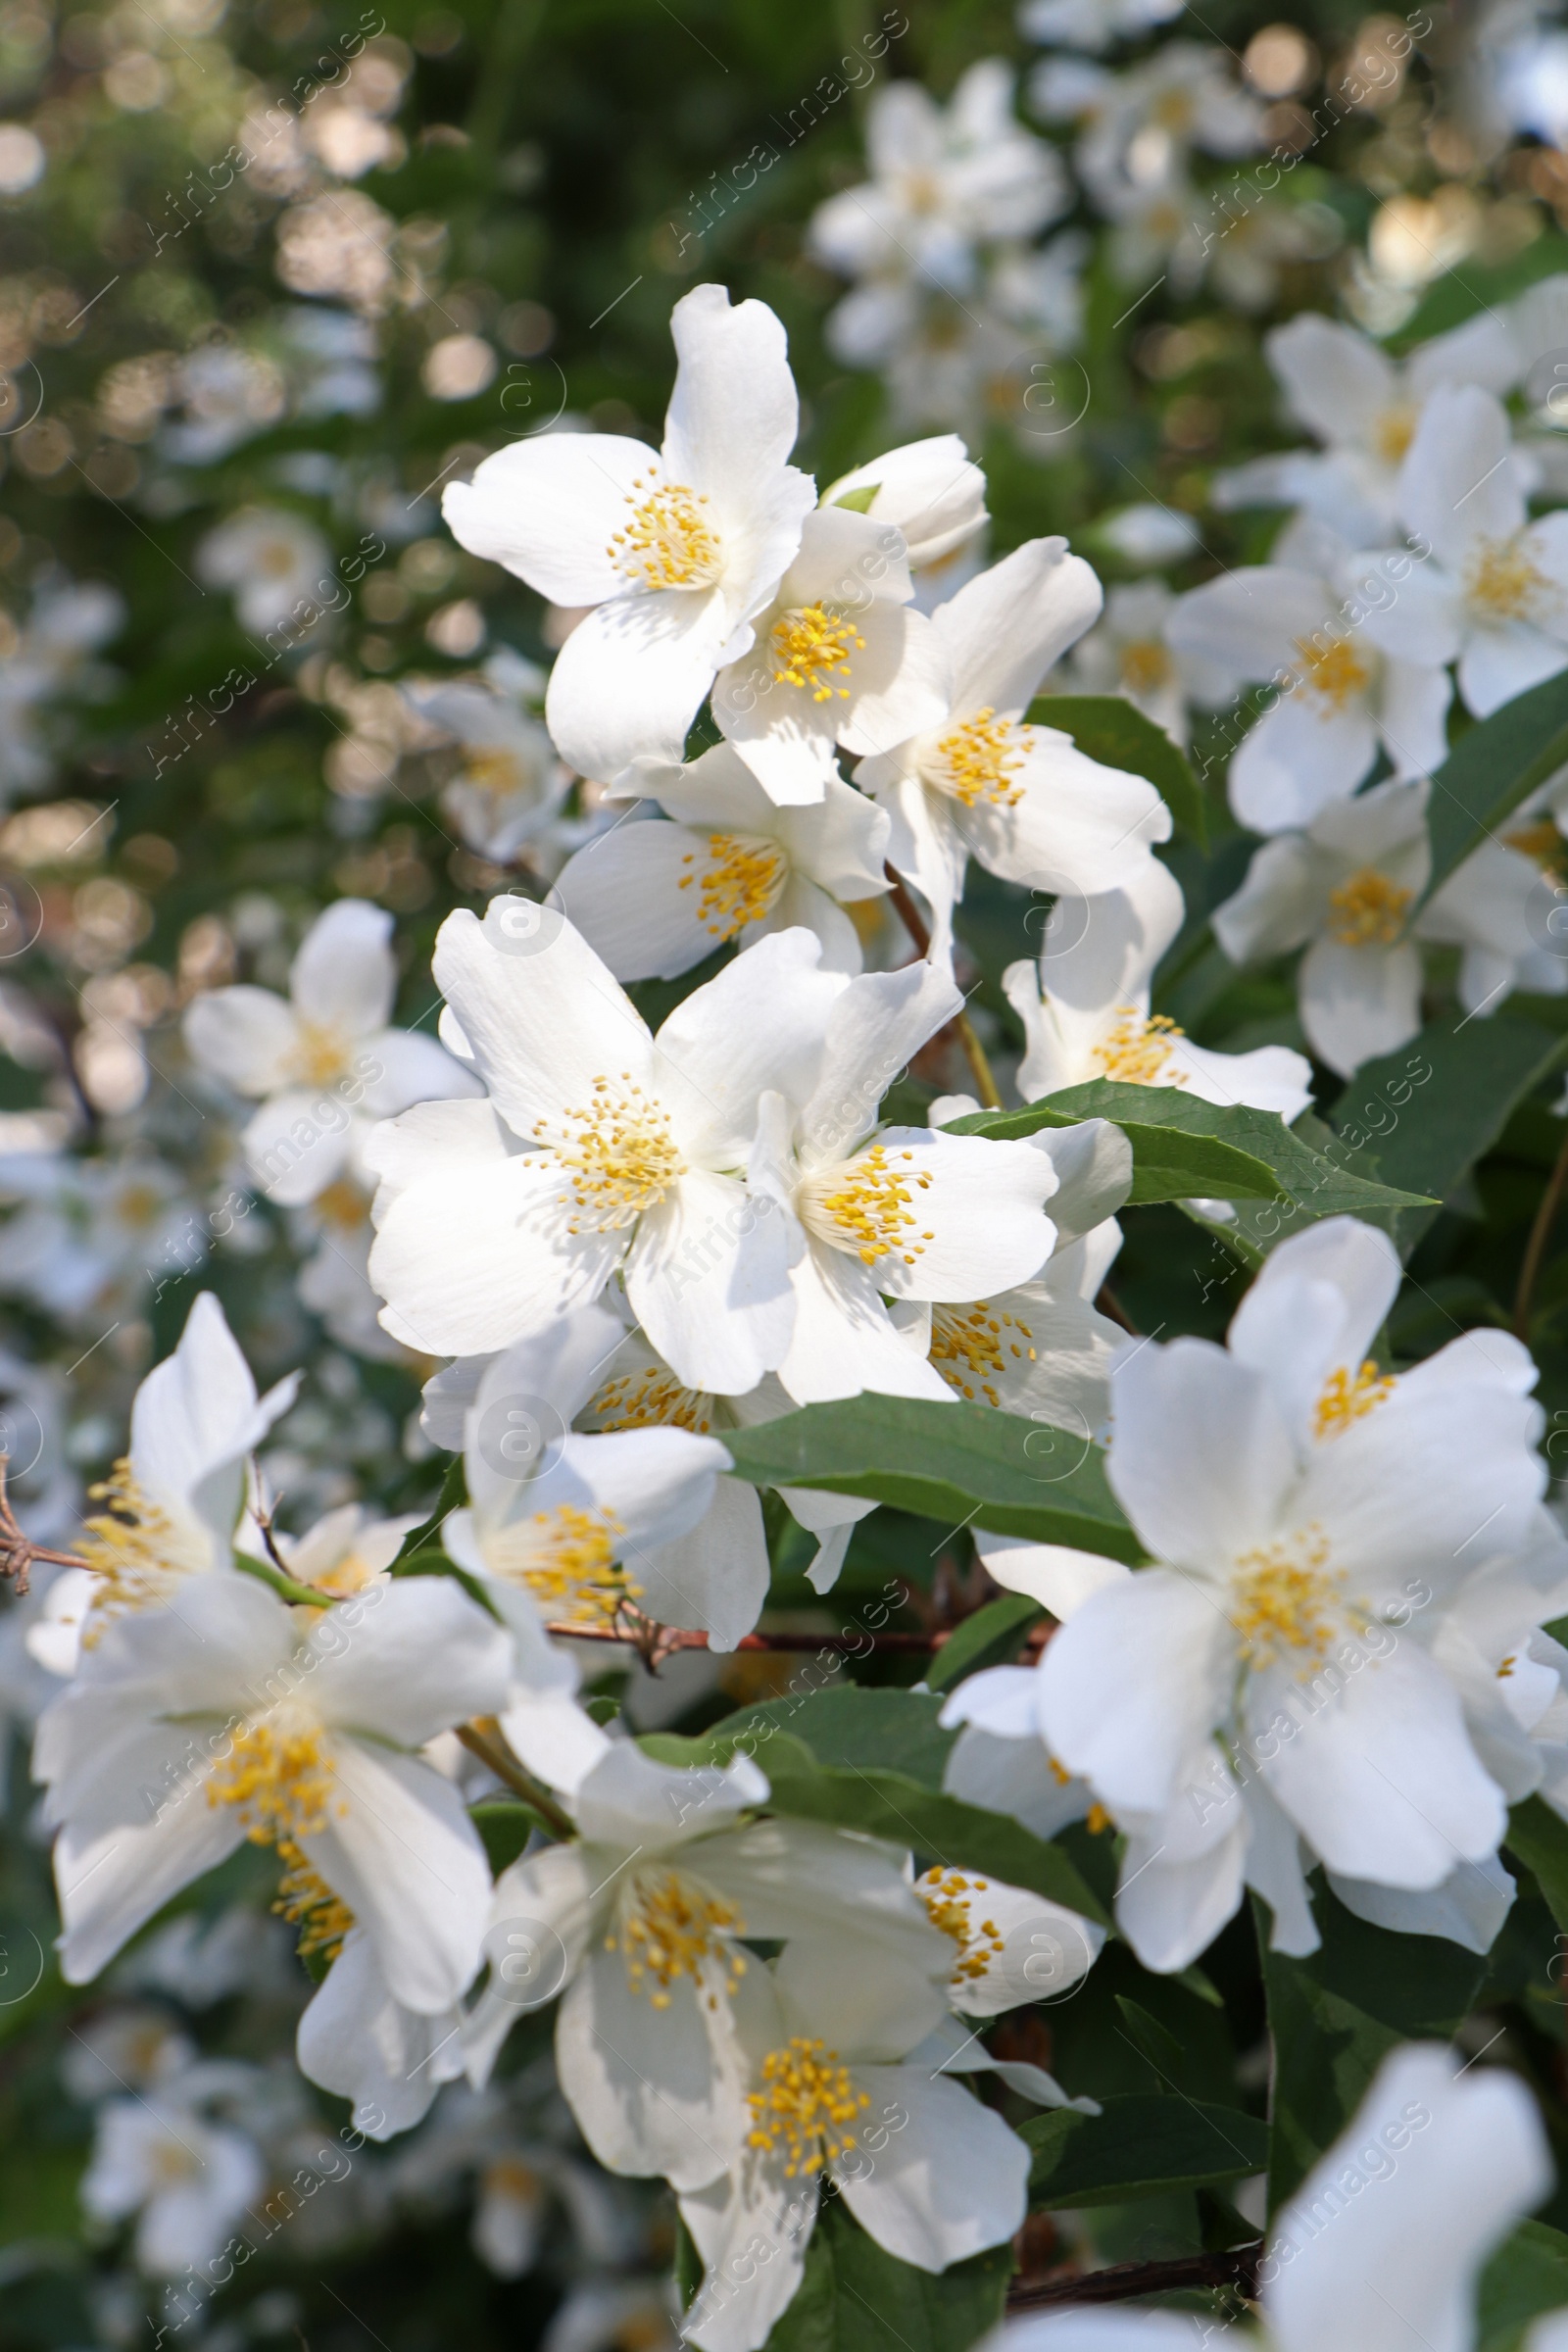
<point>946,1895</point>
<point>493,771</point>
<point>805,2107</point>
<point>651,1398</point>
<point>1368,911</point>
<point>319,1055</point>
<point>864,1207</point>
<point>1097,1821</point>
<point>1394,432</point>
<point>1346,1397</point>
<point>1540,843</point>
<point>741,880</point>
<point>341,1205</point>
<point>566,1559</point>
<point>978,761</point>
<point>1332,668</point>
<point>276,1771</point>
<point>131,1545</point>
<point>669,1929</point>
<point>670,542</point>
<point>810,646</point>
<point>622,1154</point>
<point>970,1343</point>
<point>1283,1602</point>
<point>1145,666</point>
<point>1137,1049</point>
<point>307,1903</point>
<point>1504,582</point>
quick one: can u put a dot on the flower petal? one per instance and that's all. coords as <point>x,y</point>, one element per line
<point>952,2180</point>
<point>345,975</point>
<point>547,508</point>
<point>1005,628</point>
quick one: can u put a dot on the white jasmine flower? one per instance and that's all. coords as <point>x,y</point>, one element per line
<point>90,1234</point>
<point>654,899</point>
<point>1090,23</point>
<point>1345,885</point>
<point>929,491</point>
<point>976,780</point>
<point>1130,651</point>
<point>189,1730</point>
<point>1146,120</point>
<point>186,2180</point>
<point>323,1060</point>
<point>675,552</point>
<point>271,560</point>
<point>1388,2232</point>
<point>1085,1008</point>
<point>1494,596</point>
<point>1339,701</point>
<point>357,2040</point>
<point>600,1148</point>
<point>1487,908</point>
<point>509,788</point>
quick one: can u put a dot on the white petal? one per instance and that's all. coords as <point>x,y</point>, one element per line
<point>1078,826</point>
<point>1468,1908</point>
<point>345,975</point>
<point>548,508</point>
<point>1131,1687</point>
<point>636,895</point>
<point>1301,755</point>
<point>1357,1003</point>
<point>951,2180</point>
<point>746,2289</point>
<point>356,2040</point>
<point>653,2090</point>
<point>715,1577</point>
<point>1059,1579</point>
<point>631,677</point>
<point>845,1341</point>
<point>245,1035</point>
<point>973,1223</point>
<point>1200,1459</point>
<point>758,1024</point>
<point>404,1660</point>
<point>1336,380</point>
<point>1006,627</point>
<point>399,1068</point>
<point>1496,664</point>
<point>1456,485</point>
<point>708,1278</point>
<point>733,414</point>
<point>195,1418</point>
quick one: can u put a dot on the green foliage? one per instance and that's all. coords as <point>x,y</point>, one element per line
<point>1140,2147</point>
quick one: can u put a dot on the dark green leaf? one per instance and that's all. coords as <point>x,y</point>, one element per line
<point>1490,769</point>
<point>891,1730</point>
<point>1539,1839</point>
<point>453,1495</point>
<point>992,1637</point>
<point>504,1827</point>
<point>855,2298</point>
<point>1108,728</point>
<point>1527,2275</point>
<point>1139,2146</point>
<point>1184,1147</point>
<point>955,1463</point>
<point>1334,2016</point>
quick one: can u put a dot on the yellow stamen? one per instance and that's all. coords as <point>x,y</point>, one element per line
<point>1332,667</point>
<point>495,772</point>
<point>864,1206</point>
<point>1348,1397</point>
<point>977,762</point>
<point>651,1399</point>
<point>946,1895</point>
<point>1284,1602</point>
<point>1097,1821</point>
<point>1145,666</point>
<point>1502,581</point>
<point>669,1927</point>
<point>810,645</point>
<point>670,542</point>
<point>341,1205</point>
<point>1368,911</point>
<point>1540,843</point>
<point>622,1154</point>
<point>320,1054</point>
<point>565,1557</point>
<point>1137,1049</point>
<point>1394,431</point>
<point>740,881</point>
<point>969,1343</point>
<point>805,2107</point>
<point>306,1902</point>
<point>132,1546</point>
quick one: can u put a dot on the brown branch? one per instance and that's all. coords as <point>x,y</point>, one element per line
<point>660,1642</point>
<point>1536,1246</point>
<point>1110,1306</point>
<point>1235,2267</point>
<point>960,1024</point>
<point>485,1741</point>
<point>18,1552</point>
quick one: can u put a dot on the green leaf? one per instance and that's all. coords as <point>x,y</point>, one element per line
<point>1334,2017</point>
<point>992,1637</point>
<point>857,2298</point>
<point>861,501</point>
<point>1184,1147</point>
<point>892,1730</point>
<point>453,1495</point>
<point>955,1463</point>
<point>1139,2146</point>
<point>504,1827</point>
<point>1539,1839</point>
<point>1527,2275</point>
<point>1430,1110</point>
<point>1108,728</point>
<point>1491,769</point>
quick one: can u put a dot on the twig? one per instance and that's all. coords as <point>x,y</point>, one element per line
<point>18,1552</point>
<point>1236,2268</point>
<point>1110,1306</point>
<point>1536,1246</point>
<point>484,1740</point>
<point>909,917</point>
<point>660,1642</point>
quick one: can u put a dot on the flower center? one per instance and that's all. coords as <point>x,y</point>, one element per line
<point>864,1206</point>
<point>1540,843</point>
<point>132,1546</point>
<point>1332,668</point>
<point>1284,1599</point>
<point>651,1399</point>
<point>669,1927</point>
<point>566,1558</point>
<point>1501,582</point>
<point>320,1054</point>
<point>341,1205</point>
<point>307,1903</point>
<point>493,771</point>
<point>622,1154</point>
<point>670,542</point>
<point>1145,666</point>
<point>1394,431</point>
<point>977,761</point>
<point>1368,911</point>
<point>1137,1049</point>
<point>804,2106</point>
<point>971,1345</point>
<point>946,1895</point>
<point>809,648</point>
<point>278,1774</point>
<point>1349,1397</point>
<point>740,881</point>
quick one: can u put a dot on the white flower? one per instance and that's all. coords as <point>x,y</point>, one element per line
<point>1364,407</point>
<point>1337,703</point>
<point>1129,652</point>
<point>1496,908</point>
<point>190,1728</point>
<point>1345,885</point>
<point>975,780</point>
<point>1385,2236</point>
<point>675,552</point>
<point>186,2178</point>
<point>509,788</point>
<point>91,1233</point>
<point>644,1918</point>
<point>903,1213</point>
<point>837,2089</point>
<point>600,1148</point>
<point>840,657</point>
<point>1085,1008</point>
<point>357,2039</point>
<point>1146,120</point>
<point>1090,23</point>
<point>930,491</point>
<point>1494,596</point>
<point>654,899</point>
<point>323,1060</point>
<point>942,182</point>
<point>1272,1678</point>
<point>333,1235</point>
<point>271,560</point>
<point>1040,1349</point>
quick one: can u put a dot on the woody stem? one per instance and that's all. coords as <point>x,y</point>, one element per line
<point>484,1740</point>
<point>1536,1246</point>
<point>974,1052</point>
